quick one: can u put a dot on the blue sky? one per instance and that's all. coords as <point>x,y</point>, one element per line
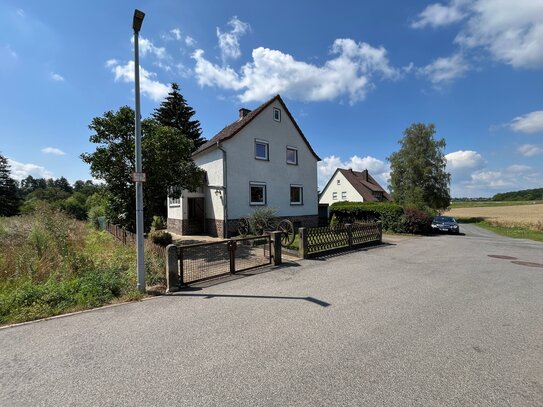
<point>354,76</point>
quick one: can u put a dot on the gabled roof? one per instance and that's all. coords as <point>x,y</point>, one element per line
<point>364,184</point>
<point>232,129</point>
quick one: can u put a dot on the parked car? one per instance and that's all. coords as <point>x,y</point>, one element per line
<point>445,224</point>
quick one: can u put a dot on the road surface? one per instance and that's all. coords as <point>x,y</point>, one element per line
<point>429,321</point>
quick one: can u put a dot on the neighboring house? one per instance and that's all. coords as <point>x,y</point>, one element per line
<point>352,186</point>
<point>262,159</point>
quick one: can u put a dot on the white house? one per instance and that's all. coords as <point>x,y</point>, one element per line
<point>262,159</point>
<point>352,186</point>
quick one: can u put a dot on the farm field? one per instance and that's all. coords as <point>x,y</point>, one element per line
<point>530,216</point>
<point>473,204</point>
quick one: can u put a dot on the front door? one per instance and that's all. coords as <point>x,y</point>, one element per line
<point>196,216</point>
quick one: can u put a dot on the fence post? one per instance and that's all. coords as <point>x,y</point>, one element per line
<point>303,243</point>
<point>232,246</point>
<point>380,226</point>
<point>349,228</point>
<point>276,242</point>
<point>172,265</point>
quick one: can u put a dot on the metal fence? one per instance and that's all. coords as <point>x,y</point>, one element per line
<point>203,261</point>
<point>327,239</point>
<point>126,237</point>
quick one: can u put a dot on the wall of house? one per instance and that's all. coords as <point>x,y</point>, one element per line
<point>344,186</point>
<point>212,162</point>
<point>178,214</point>
<point>243,168</point>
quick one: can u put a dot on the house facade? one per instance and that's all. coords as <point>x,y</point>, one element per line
<point>261,160</point>
<point>352,186</point>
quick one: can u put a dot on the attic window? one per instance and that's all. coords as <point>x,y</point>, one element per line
<point>261,150</point>
<point>276,114</point>
<point>292,155</point>
<point>338,181</point>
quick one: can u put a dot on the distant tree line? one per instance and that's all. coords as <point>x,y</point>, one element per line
<point>524,195</point>
<point>24,197</point>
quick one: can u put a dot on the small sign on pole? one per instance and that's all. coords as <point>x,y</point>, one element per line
<point>139,177</point>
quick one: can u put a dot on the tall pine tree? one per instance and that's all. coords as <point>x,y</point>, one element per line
<point>175,112</point>
<point>9,201</point>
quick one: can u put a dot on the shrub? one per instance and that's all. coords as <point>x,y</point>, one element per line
<point>417,221</point>
<point>161,237</point>
<point>391,215</point>
<point>158,223</point>
<point>261,216</point>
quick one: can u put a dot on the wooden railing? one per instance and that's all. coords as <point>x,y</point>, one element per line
<point>126,237</point>
<point>327,239</point>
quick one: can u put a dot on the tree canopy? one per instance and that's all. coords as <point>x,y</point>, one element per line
<point>418,177</point>
<point>166,159</point>
<point>9,200</point>
<point>175,112</point>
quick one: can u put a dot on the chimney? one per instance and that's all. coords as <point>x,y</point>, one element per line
<point>243,112</point>
<point>366,175</point>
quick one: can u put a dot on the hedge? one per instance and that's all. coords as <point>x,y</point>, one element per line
<point>391,215</point>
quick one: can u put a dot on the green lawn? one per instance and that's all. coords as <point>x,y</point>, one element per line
<point>475,204</point>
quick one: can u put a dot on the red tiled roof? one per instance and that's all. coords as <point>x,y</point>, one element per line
<point>232,129</point>
<point>364,184</point>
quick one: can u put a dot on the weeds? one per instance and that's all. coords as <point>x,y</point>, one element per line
<point>52,264</point>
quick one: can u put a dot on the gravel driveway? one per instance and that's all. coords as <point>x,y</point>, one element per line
<point>433,321</point>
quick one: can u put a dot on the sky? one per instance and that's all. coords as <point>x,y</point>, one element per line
<point>354,76</point>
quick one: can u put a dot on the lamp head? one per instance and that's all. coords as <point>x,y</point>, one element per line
<point>138,20</point>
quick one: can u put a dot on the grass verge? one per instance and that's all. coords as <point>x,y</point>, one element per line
<point>517,232</point>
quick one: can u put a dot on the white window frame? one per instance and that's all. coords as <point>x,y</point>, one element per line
<point>174,202</point>
<point>344,196</point>
<point>267,145</point>
<point>334,196</point>
<point>276,114</point>
<point>264,195</point>
<point>301,188</point>
<point>295,162</point>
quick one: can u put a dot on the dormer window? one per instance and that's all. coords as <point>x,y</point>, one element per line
<point>261,150</point>
<point>276,114</point>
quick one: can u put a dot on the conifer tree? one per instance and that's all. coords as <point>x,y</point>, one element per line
<point>175,112</point>
<point>9,201</point>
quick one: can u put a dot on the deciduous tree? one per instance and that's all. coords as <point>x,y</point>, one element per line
<point>418,177</point>
<point>166,156</point>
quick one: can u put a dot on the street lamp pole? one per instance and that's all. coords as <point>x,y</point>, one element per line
<point>136,25</point>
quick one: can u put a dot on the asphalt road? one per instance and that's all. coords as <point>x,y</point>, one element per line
<point>430,321</point>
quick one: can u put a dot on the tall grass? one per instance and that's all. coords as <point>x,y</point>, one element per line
<point>52,264</point>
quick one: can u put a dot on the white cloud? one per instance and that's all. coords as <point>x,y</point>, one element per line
<point>378,169</point>
<point>20,171</point>
<point>52,150</point>
<point>56,77</point>
<point>176,32</point>
<point>529,123</point>
<point>229,41</point>
<point>189,41</point>
<point>437,15</point>
<point>445,70</point>
<point>519,168</point>
<point>529,150</point>
<point>511,31</point>
<point>271,72</point>
<point>21,12</point>
<point>147,47</point>
<point>471,178</point>
<point>150,87</point>
<point>464,159</point>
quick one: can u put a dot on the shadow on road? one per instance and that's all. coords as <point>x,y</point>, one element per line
<point>267,297</point>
